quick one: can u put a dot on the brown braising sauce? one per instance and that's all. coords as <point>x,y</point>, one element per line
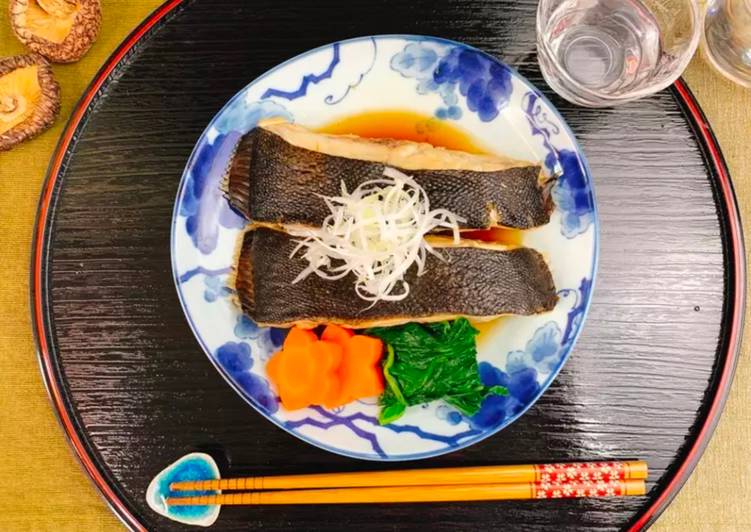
<point>404,125</point>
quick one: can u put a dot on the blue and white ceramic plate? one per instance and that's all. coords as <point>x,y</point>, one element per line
<point>441,80</point>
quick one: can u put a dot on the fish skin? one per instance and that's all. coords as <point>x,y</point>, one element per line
<point>286,182</point>
<point>476,281</point>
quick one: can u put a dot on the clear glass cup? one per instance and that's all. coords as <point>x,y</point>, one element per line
<point>599,53</point>
<point>727,39</point>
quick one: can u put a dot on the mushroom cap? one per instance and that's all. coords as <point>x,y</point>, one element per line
<point>29,98</point>
<point>60,30</point>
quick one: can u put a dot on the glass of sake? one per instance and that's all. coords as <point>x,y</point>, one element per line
<point>727,39</point>
<point>599,53</point>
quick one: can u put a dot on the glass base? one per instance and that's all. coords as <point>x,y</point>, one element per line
<point>724,68</point>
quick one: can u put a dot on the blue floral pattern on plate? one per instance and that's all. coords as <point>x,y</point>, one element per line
<point>572,192</point>
<point>439,79</point>
<point>447,70</point>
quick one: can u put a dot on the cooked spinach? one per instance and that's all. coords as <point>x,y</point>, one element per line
<point>432,361</point>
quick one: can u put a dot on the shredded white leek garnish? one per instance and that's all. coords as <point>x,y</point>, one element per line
<point>376,232</point>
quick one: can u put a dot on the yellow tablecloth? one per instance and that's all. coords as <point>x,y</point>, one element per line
<point>43,488</point>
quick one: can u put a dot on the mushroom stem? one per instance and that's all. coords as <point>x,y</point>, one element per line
<point>8,103</point>
<point>11,107</point>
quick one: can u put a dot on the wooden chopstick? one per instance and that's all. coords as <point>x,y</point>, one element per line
<point>501,474</point>
<point>437,493</point>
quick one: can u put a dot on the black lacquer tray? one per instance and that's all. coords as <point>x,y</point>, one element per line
<point>134,391</point>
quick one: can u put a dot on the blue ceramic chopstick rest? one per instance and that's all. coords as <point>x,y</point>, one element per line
<point>193,466</point>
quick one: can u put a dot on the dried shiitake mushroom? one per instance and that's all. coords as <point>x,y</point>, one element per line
<point>29,98</point>
<point>61,30</point>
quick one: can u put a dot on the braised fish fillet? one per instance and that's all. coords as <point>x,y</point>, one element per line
<point>280,170</point>
<point>476,280</point>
